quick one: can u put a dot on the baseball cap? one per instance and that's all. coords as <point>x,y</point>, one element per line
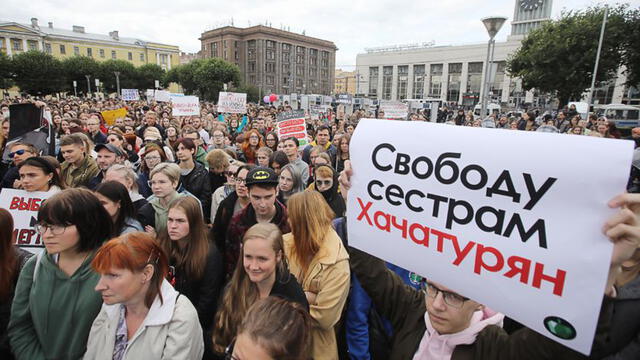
<point>114,149</point>
<point>262,175</point>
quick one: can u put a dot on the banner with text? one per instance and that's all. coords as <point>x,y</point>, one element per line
<point>292,124</point>
<point>494,229</point>
<point>234,103</point>
<point>24,207</point>
<point>185,105</point>
<point>162,95</point>
<point>130,94</point>
<point>110,116</point>
<point>394,109</point>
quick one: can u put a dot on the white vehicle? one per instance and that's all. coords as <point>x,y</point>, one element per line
<point>624,116</point>
<point>491,109</point>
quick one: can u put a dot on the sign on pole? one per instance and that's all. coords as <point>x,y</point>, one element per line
<point>234,103</point>
<point>130,94</point>
<point>493,229</point>
<point>185,105</point>
<point>394,109</point>
<point>24,207</point>
<point>292,124</point>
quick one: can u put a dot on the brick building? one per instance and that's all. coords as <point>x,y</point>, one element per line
<point>274,60</point>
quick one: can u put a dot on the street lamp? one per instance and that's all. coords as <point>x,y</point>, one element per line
<point>88,84</point>
<point>493,25</point>
<point>117,74</point>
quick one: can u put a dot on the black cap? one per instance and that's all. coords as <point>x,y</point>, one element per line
<point>112,148</point>
<point>262,175</point>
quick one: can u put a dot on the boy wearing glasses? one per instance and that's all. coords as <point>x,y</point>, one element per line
<point>19,152</point>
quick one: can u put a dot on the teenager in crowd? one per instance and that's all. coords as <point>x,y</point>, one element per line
<point>164,182</point>
<point>326,182</point>
<point>277,161</point>
<point>55,301</point>
<point>271,141</point>
<point>342,154</point>
<point>320,261</point>
<point>12,260</point>
<point>227,189</point>
<point>194,177</point>
<point>40,174</point>
<point>261,335</point>
<point>261,271</point>
<point>218,162</point>
<point>143,316</point>
<point>252,142</point>
<point>127,177</point>
<point>263,155</point>
<point>78,167</point>
<point>152,155</point>
<point>195,263</point>
<point>289,183</point>
<point>115,198</point>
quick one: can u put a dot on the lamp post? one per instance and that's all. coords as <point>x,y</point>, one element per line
<point>595,67</point>
<point>88,84</point>
<point>493,25</point>
<point>117,74</point>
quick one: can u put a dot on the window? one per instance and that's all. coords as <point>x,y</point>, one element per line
<point>299,70</point>
<point>113,54</point>
<point>271,44</point>
<point>47,48</point>
<point>324,73</point>
<point>224,43</point>
<point>496,85</point>
<point>435,80</point>
<point>130,56</point>
<point>418,81</point>
<point>373,81</point>
<point>285,81</point>
<point>142,57</point>
<point>324,59</point>
<point>453,88</point>
<point>252,79</point>
<point>235,44</point>
<point>236,56</point>
<point>474,83</point>
<point>269,79</point>
<point>102,53</point>
<point>214,49</point>
<point>251,54</point>
<point>164,59</point>
<point>76,50</point>
<point>300,59</point>
<point>63,50</point>
<point>252,66</point>
<point>16,44</point>
<point>286,57</point>
<point>387,79</point>
<point>270,67</point>
<point>286,69</point>
<point>270,54</point>
<point>313,57</point>
<point>403,80</point>
<point>89,52</point>
<point>286,47</point>
<point>313,72</point>
<point>32,44</point>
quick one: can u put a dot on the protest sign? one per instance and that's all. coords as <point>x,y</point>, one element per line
<point>234,103</point>
<point>394,109</point>
<point>492,228</point>
<point>162,95</point>
<point>24,207</point>
<point>150,93</point>
<point>344,99</point>
<point>292,124</point>
<point>185,105</point>
<point>110,116</point>
<point>130,94</point>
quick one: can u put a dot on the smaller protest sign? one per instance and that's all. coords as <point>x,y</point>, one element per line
<point>234,103</point>
<point>185,105</point>
<point>394,109</point>
<point>162,95</point>
<point>344,99</point>
<point>314,112</point>
<point>130,94</point>
<point>150,94</point>
<point>110,116</point>
<point>292,124</point>
<point>24,207</point>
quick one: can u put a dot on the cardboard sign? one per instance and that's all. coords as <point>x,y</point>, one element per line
<point>292,124</point>
<point>185,105</point>
<point>24,207</point>
<point>110,116</point>
<point>520,234</point>
<point>394,109</point>
<point>130,94</point>
<point>162,95</point>
<point>234,103</point>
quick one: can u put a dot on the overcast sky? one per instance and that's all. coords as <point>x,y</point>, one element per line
<point>351,25</point>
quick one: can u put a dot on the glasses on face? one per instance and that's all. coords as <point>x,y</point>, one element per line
<point>228,352</point>
<point>324,182</point>
<point>153,158</point>
<point>19,152</point>
<point>230,174</point>
<point>451,299</point>
<point>241,181</point>
<point>54,229</point>
<point>253,137</point>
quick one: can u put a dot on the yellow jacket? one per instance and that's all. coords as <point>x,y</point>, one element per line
<point>328,277</point>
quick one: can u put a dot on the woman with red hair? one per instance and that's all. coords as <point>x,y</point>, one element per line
<point>252,142</point>
<point>143,317</point>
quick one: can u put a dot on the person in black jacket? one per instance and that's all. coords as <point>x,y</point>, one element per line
<point>326,182</point>
<point>195,264</point>
<point>194,177</point>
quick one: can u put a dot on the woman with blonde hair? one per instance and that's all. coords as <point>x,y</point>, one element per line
<point>263,272</point>
<point>319,259</point>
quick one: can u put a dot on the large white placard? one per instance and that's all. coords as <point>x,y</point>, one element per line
<point>162,95</point>
<point>234,103</point>
<point>24,207</point>
<point>497,216</point>
<point>130,94</point>
<point>394,109</point>
<point>185,105</point>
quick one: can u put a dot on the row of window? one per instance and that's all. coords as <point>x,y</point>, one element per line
<point>101,52</point>
<point>270,52</point>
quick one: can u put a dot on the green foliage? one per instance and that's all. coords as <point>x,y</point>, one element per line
<point>128,75</point>
<point>205,77</point>
<point>75,68</point>
<point>37,73</point>
<point>560,56</point>
<point>148,74</point>
<point>5,71</point>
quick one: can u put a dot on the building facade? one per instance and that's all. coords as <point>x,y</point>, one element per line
<point>345,82</point>
<point>274,60</point>
<point>16,38</point>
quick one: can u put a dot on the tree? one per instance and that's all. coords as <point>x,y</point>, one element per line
<point>37,73</point>
<point>559,57</point>
<point>5,71</point>
<point>128,75</point>
<point>76,67</point>
<point>205,77</point>
<point>631,53</point>
<point>148,74</point>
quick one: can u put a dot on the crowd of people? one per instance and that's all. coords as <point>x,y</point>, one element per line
<point>211,237</point>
